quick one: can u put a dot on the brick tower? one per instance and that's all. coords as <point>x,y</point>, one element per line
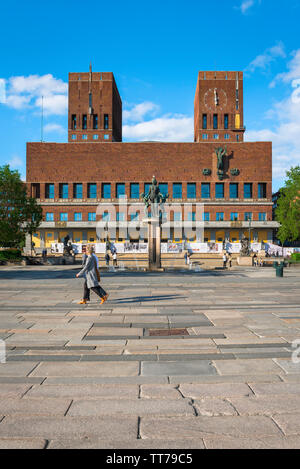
<point>95,108</point>
<point>218,107</point>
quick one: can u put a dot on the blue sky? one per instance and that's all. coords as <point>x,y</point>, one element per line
<point>155,49</point>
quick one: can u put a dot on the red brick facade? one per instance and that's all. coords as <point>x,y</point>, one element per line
<point>112,162</point>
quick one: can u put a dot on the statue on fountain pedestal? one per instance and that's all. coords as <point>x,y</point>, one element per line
<point>154,198</point>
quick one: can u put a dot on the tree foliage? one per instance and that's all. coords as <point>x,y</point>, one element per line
<point>288,207</point>
<point>19,214</point>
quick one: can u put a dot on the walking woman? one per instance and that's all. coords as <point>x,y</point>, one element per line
<point>92,277</point>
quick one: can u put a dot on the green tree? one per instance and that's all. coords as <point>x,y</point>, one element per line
<point>288,207</point>
<point>19,214</point>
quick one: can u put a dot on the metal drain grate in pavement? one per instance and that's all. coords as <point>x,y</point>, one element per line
<point>165,332</point>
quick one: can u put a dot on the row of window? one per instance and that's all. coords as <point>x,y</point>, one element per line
<point>217,137</point>
<point>95,137</point>
<point>120,216</point>
<point>215,121</point>
<point>95,122</point>
<point>234,190</point>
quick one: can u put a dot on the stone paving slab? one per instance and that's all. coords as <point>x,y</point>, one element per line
<point>267,405</point>
<point>103,391</point>
<point>195,427</point>
<point>288,366</point>
<point>139,407</point>
<point>278,442</point>
<point>214,407</point>
<point>136,444</point>
<point>196,367</point>
<point>17,369</point>
<point>44,406</point>
<point>25,443</point>
<point>12,390</point>
<point>87,369</point>
<point>254,366</point>
<point>48,428</point>
<point>224,390</point>
<point>225,379</point>
<point>166,391</point>
<point>275,388</point>
<point>75,380</point>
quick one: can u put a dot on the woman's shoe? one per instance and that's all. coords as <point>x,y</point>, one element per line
<point>82,302</point>
<point>106,296</point>
<point>102,301</point>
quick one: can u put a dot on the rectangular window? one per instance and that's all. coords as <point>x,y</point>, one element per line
<point>215,121</point>
<point>205,216</point>
<point>95,121</point>
<point>134,190</point>
<point>191,216</point>
<point>204,136</point>
<point>247,216</point>
<point>225,121</point>
<point>120,190</point>
<point>205,190</point>
<point>106,190</point>
<point>237,137</point>
<point>84,137</point>
<point>177,216</point>
<point>220,216</point>
<point>226,136</point>
<point>77,193</point>
<point>106,137</point>
<point>248,190</point>
<point>74,137</point>
<point>49,191</point>
<point>49,216</point>
<point>204,121</point>
<point>63,191</point>
<point>84,121</point>
<point>191,190</point>
<point>120,216</point>
<point>262,216</point>
<point>177,190</point>
<point>91,216</point>
<point>77,216</point>
<point>234,216</point>
<point>74,122</point>
<point>95,137</point>
<point>262,190</point>
<point>92,190</point>
<point>63,216</point>
<point>233,190</point>
<point>219,190</point>
<point>163,187</point>
<point>216,136</point>
<point>106,121</point>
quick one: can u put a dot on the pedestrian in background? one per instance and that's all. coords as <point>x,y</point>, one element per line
<point>107,259</point>
<point>91,273</point>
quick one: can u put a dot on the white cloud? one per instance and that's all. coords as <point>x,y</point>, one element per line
<point>139,111</point>
<point>264,60</point>
<point>286,134</point>
<point>27,92</point>
<point>54,128</point>
<point>15,162</point>
<point>293,72</point>
<point>2,91</point>
<point>245,5</point>
<point>168,128</point>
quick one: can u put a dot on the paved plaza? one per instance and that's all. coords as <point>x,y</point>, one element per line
<point>171,360</point>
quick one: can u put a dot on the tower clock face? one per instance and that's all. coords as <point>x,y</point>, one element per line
<point>215,99</point>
